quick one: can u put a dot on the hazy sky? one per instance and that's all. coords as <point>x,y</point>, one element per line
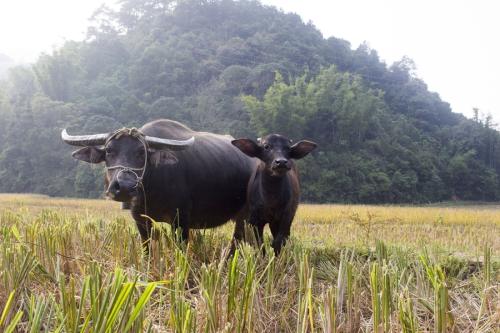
<point>455,44</point>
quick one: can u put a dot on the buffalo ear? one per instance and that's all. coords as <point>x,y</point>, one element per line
<point>301,149</point>
<point>162,157</point>
<point>90,154</point>
<point>248,146</point>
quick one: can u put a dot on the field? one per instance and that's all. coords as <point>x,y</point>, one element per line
<point>71,265</point>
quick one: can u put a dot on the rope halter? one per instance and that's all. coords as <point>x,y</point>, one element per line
<point>133,132</point>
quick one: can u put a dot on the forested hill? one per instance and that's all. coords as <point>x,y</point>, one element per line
<point>246,69</point>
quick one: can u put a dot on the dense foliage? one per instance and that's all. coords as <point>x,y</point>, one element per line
<point>246,69</point>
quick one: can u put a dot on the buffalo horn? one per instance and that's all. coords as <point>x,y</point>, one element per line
<point>168,143</point>
<point>84,140</point>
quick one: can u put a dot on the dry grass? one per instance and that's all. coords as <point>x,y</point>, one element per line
<point>461,230</point>
<point>77,266</point>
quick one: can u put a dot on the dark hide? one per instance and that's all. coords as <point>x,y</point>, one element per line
<point>273,189</point>
<point>202,186</point>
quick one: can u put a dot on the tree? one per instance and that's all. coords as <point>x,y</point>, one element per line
<point>242,68</point>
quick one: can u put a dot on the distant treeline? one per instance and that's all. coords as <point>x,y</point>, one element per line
<point>245,69</point>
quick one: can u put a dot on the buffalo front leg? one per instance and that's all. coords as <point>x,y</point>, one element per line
<point>180,225</point>
<point>238,235</point>
<point>144,226</point>
<point>281,232</point>
<point>239,228</point>
<point>256,225</point>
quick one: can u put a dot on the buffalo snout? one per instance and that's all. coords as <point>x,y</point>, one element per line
<point>123,187</point>
<point>281,164</point>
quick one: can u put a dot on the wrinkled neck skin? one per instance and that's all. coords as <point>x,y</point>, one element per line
<point>270,179</point>
<point>154,195</point>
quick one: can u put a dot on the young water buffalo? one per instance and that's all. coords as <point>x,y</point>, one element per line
<point>273,189</point>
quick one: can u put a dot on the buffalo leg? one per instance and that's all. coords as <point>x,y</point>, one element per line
<point>144,227</point>
<point>280,232</point>
<point>257,227</point>
<point>259,233</point>
<point>239,228</point>
<point>239,233</point>
<point>181,223</point>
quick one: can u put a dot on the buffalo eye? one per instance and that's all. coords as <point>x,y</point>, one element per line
<point>267,146</point>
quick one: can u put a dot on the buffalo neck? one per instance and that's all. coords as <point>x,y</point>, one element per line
<point>273,185</point>
<point>158,183</point>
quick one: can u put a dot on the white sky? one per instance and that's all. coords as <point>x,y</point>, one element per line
<point>455,44</point>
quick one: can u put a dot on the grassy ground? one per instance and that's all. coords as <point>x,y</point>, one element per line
<point>71,265</point>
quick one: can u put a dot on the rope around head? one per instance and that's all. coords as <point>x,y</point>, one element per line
<point>134,132</point>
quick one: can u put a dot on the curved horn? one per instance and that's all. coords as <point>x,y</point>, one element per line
<point>168,143</point>
<point>84,140</point>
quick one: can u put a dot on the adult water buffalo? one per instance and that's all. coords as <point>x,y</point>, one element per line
<point>196,180</point>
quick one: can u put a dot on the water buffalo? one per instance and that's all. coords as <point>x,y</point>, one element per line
<point>198,180</point>
<point>273,189</point>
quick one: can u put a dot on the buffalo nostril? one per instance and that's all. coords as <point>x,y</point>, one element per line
<point>115,188</point>
<point>281,162</point>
